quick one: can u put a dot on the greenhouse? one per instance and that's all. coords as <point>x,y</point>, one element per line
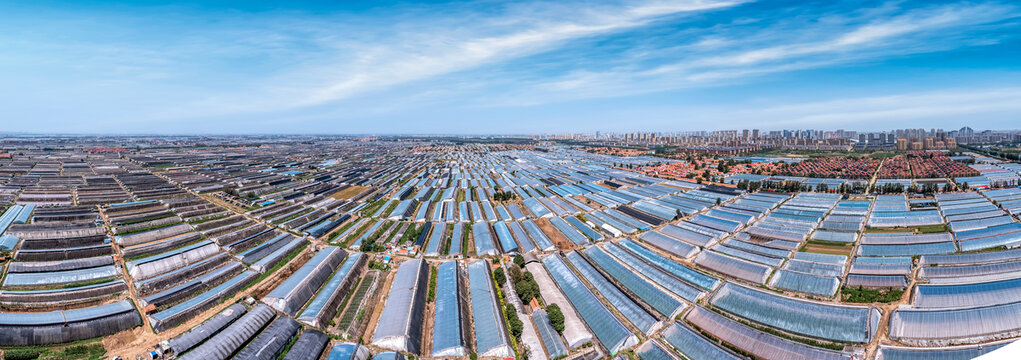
<point>271,341</point>
<point>843,323</point>
<point>676,269</point>
<point>657,299</point>
<point>757,343</point>
<point>35,279</point>
<point>955,326</point>
<point>187,309</point>
<point>693,345</point>
<point>171,260</point>
<point>669,244</point>
<point>542,241</point>
<point>741,269</point>
<point>965,352</point>
<point>436,239</point>
<point>551,341</point>
<point>399,326</point>
<point>679,287</point>
<point>607,328</point>
<point>62,326</point>
<point>652,350</point>
<point>825,286</point>
<point>223,345</point>
<point>450,319</point>
<point>293,293</point>
<point>491,338</point>
<point>310,345</point>
<point>814,268</point>
<point>184,342</point>
<point>522,237</point>
<point>348,351</point>
<point>575,332</point>
<point>966,295</point>
<point>569,231</point>
<point>628,308</point>
<point>507,242</point>
<point>484,245</point>
<point>324,306</point>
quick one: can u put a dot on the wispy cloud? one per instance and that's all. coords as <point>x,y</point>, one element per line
<point>398,63</point>
<point>778,49</point>
<point>388,61</point>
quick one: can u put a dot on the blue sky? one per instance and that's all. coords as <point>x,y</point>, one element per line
<point>506,67</point>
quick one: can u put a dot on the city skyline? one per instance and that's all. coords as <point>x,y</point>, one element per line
<point>516,68</point>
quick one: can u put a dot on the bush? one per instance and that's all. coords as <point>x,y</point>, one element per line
<point>866,295</point>
<point>515,324</point>
<point>95,350</point>
<point>432,284</point>
<point>21,354</point>
<point>499,277</point>
<point>515,274</point>
<point>556,317</point>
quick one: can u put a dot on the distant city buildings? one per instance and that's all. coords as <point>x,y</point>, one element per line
<point>744,140</point>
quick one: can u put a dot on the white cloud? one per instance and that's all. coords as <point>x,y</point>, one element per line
<point>391,65</point>
<point>778,49</point>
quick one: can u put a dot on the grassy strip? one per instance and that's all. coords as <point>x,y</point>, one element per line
<point>432,284</point>
<point>867,295</point>
<point>390,208</point>
<point>412,233</point>
<point>341,230</point>
<point>208,219</point>
<point>371,209</point>
<point>447,237</point>
<point>149,228</point>
<point>829,243</point>
<point>142,220</point>
<point>369,244</point>
<point>464,240</point>
<point>91,349</point>
<point>348,315</point>
<point>354,236</point>
<point>287,348</point>
<point>347,299</point>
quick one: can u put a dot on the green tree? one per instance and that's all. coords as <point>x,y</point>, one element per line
<point>520,260</point>
<point>556,317</point>
<point>499,276</point>
<point>526,290</point>
<point>515,273</point>
<point>515,324</point>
